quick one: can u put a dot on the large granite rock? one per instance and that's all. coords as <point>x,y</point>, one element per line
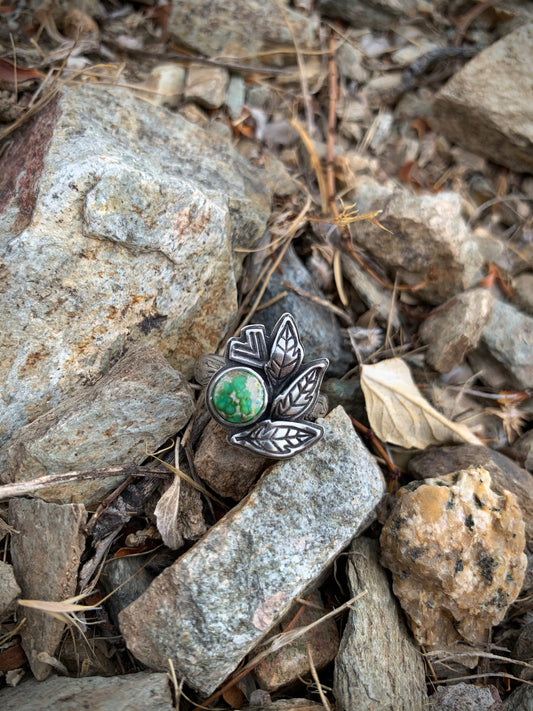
<point>132,410</point>
<point>117,226</point>
<point>486,107</point>
<point>221,598</point>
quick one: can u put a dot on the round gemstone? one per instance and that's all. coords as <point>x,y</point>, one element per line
<point>238,396</point>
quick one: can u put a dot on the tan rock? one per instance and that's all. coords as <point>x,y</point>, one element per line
<point>486,108</point>
<point>453,332</point>
<point>284,666</point>
<point>229,471</point>
<point>456,552</point>
<point>207,85</point>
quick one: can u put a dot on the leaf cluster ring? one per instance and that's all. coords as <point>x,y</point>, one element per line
<point>263,393</point>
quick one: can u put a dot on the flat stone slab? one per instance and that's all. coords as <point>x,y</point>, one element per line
<point>378,666</point>
<point>143,692</point>
<point>46,551</point>
<point>221,598</point>
<point>486,107</point>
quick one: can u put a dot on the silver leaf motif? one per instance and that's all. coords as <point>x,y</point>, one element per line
<point>300,395</point>
<point>286,353</point>
<point>279,440</point>
<point>289,398</point>
<point>250,348</point>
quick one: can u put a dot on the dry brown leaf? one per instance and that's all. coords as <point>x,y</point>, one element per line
<point>234,697</point>
<point>11,74</point>
<point>167,509</point>
<point>400,415</point>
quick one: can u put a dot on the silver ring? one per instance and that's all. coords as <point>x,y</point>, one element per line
<point>261,391</point>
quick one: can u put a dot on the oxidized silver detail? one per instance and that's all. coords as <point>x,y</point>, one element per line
<point>292,389</point>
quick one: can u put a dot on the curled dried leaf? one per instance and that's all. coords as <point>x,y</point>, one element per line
<point>166,513</point>
<point>400,415</point>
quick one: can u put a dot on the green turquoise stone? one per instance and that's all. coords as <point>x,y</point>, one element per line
<point>238,395</point>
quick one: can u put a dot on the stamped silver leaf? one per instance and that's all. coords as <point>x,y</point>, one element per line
<point>279,440</point>
<point>300,395</point>
<point>250,348</point>
<point>286,353</point>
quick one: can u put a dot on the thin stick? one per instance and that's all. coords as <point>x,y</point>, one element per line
<point>321,302</point>
<point>303,80</point>
<point>332,119</point>
<point>15,78</point>
<point>314,674</point>
<point>27,488</point>
<point>394,471</point>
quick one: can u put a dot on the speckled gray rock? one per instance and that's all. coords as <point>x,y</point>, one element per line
<point>144,692</point>
<point>132,410</point>
<point>214,27</point>
<point>235,95</point>
<point>521,699</point>
<point>221,598</point>
<point>485,107</point>
<point>466,697</point>
<point>371,292</point>
<point>523,297</point>
<point>428,240</point>
<point>378,665</point>
<point>320,332</point>
<point>117,226</point>
<point>508,338</point>
<point>523,650</point>
<point>9,589</point>
<point>457,329</point>
<point>126,577</point>
<point>524,448</point>
<point>46,552</point>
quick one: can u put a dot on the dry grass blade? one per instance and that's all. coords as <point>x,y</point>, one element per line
<point>289,235</point>
<point>314,674</point>
<point>315,164</point>
<point>64,611</point>
<point>337,275</point>
<point>400,415</point>
<point>301,69</point>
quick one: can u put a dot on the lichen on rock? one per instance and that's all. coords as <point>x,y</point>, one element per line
<point>456,552</point>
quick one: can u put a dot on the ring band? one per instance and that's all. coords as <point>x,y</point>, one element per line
<point>263,393</point>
